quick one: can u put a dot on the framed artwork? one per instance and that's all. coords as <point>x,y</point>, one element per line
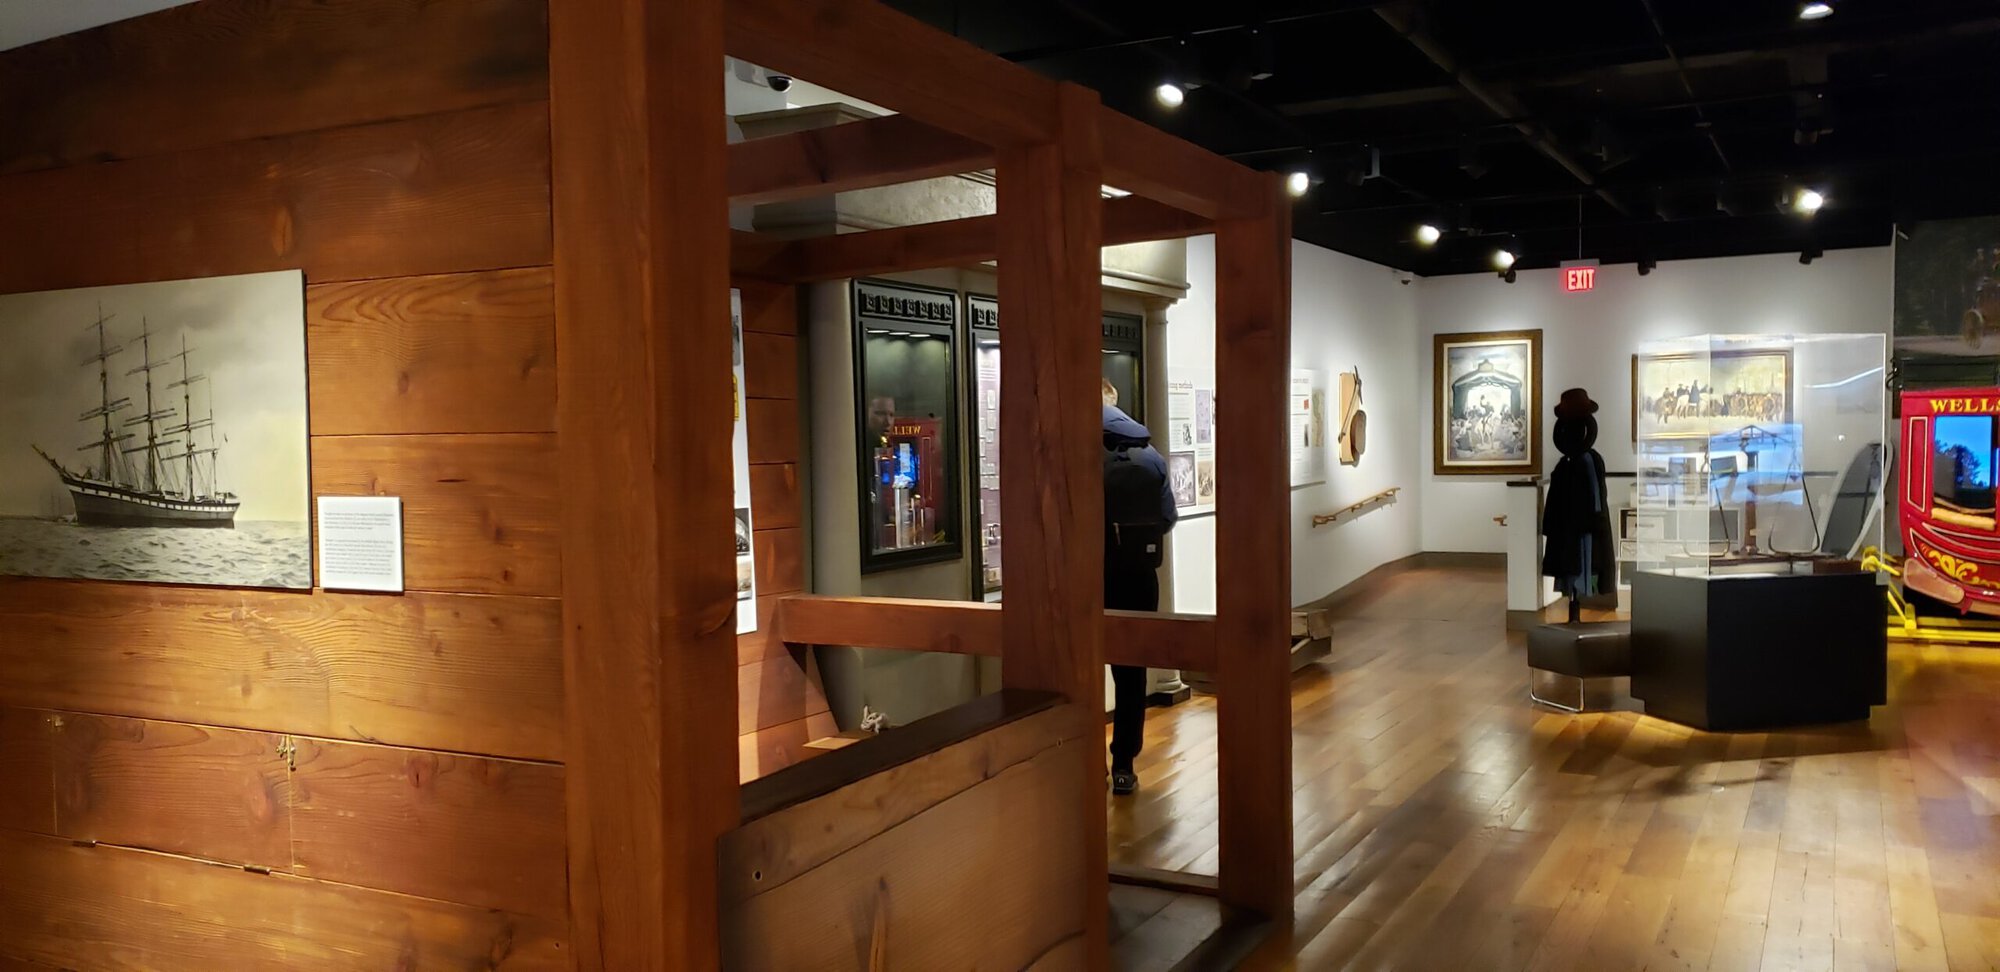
<point>1683,396</point>
<point>157,432</point>
<point>1487,391</point>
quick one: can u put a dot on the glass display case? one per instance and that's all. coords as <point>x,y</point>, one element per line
<point>1760,464</point>
<point>1757,454</point>
<point>905,393</point>
<point>1123,366</point>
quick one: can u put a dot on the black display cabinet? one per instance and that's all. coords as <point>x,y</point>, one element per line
<point>1761,650</point>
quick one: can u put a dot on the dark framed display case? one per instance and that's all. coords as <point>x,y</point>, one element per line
<point>1124,337</point>
<point>906,424</point>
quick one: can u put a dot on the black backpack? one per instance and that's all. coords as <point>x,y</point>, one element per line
<point>1134,531</point>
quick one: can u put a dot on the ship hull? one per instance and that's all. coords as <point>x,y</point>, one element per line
<point>101,504</point>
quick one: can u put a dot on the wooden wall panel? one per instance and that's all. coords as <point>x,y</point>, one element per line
<point>470,674</point>
<point>484,832</point>
<point>774,429</point>
<point>766,751</point>
<point>479,511</point>
<point>118,910</point>
<point>437,194</point>
<point>764,642</point>
<point>783,689</point>
<point>770,365</point>
<point>463,352</point>
<point>1003,850</point>
<point>220,794</point>
<point>775,501</point>
<point>27,800</point>
<point>192,76</point>
<point>780,561</point>
<point>768,308</point>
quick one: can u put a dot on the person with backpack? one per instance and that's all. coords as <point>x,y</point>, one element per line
<point>1138,513</point>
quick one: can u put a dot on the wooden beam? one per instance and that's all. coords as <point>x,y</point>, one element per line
<point>1183,641</point>
<point>1253,570</point>
<point>868,51</point>
<point>1148,162</point>
<point>841,158</point>
<point>643,406</point>
<point>1051,487</point>
<point>766,258</point>
<point>948,243</point>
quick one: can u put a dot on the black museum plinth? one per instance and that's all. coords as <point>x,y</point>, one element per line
<point>1758,651</point>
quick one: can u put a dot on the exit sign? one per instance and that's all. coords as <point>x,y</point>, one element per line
<point>1579,276</point>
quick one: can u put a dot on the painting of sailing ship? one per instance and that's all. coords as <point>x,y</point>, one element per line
<point>157,432</point>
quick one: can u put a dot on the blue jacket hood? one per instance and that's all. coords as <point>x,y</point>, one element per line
<point>1123,429</point>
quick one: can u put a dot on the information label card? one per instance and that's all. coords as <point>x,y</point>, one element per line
<point>361,543</point>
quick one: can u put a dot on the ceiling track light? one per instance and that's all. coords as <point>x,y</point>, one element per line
<point>1647,265</point>
<point>1170,94</point>
<point>1503,259</point>
<point>1298,182</point>
<point>1808,201</point>
<point>1816,10</point>
<point>1507,276</point>
<point>1428,234</point>
<point>1811,253</point>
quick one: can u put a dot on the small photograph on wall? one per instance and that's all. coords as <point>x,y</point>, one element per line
<point>1678,396</point>
<point>1488,393</point>
<point>1204,482</point>
<point>1947,286</point>
<point>1204,416</point>
<point>157,432</point>
<point>746,567</point>
<point>1180,476</point>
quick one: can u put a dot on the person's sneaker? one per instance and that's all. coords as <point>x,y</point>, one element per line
<point>1124,782</point>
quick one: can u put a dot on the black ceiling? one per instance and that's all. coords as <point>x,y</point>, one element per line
<point>1665,129</point>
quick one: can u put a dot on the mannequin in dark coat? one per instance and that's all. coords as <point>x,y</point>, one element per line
<point>1576,519</point>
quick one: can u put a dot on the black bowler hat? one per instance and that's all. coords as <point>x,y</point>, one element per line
<point>1575,404</point>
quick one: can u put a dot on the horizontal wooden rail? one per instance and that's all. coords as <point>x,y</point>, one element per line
<point>948,243</point>
<point>841,158</point>
<point>1322,519</point>
<point>1181,641</point>
<point>872,52</point>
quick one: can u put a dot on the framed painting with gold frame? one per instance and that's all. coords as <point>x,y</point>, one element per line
<point>1486,392</point>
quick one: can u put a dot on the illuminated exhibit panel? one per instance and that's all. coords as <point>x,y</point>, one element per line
<point>1123,356</point>
<point>1946,499</point>
<point>905,350</point>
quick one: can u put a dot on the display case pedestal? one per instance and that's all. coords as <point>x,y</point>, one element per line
<point>1728,652</point>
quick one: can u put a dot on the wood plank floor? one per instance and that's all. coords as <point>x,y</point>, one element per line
<point>1444,823</point>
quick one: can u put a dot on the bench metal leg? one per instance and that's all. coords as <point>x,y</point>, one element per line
<point>1533,673</point>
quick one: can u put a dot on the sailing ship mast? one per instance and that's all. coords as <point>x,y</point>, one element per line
<point>106,407</point>
<point>151,419</point>
<point>186,385</point>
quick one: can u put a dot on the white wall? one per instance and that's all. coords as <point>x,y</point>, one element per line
<point>1588,341</point>
<point>1346,312</point>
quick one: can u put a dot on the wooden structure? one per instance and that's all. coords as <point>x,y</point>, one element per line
<point>511,215</point>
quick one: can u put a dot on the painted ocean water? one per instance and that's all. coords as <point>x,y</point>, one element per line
<point>258,553</point>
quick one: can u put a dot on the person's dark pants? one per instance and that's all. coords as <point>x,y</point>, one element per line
<point>1129,590</point>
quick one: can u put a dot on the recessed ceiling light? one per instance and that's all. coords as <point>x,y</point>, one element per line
<point>1428,234</point>
<point>1816,11</point>
<point>1808,201</point>
<point>1503,259</point>
<point>1170,94</point>
<point>1298,182</point>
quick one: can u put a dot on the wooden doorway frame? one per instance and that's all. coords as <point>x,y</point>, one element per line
<point>642,177</point>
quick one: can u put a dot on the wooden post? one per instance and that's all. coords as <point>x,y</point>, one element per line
<point>643,415</point>
<point>1052,492</point>
<point>1253,558</point>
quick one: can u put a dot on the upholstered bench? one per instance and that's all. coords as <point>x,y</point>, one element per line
<point>1579,650</point>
